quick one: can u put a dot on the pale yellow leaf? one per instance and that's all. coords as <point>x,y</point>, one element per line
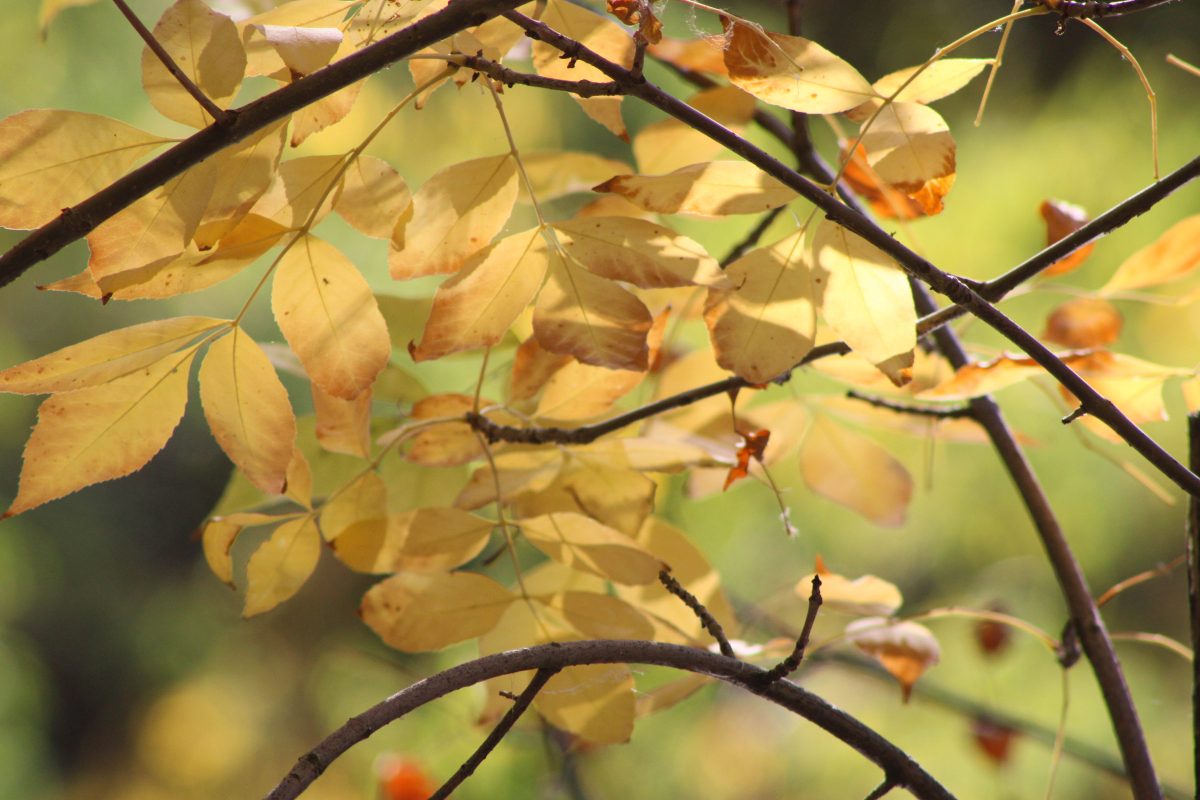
<point>600,616</point>
<point>218,535</point>
<point>597,33</point>
<point>850,469</point>
<point>866,595</point>
<point>102,432</point>
<point>244,172</point>
<point>476,307</point>
<point>669,695</point>
<point>1191,394</point>
<point>298,486</point>
<point>790,71</point>
<point>765,325</point>
<point>423,540</point>
<point>592,319</point>
<point>262,56</point>
<point>455,215</point>
<point>416,613</point>
<point>1134,385</point>
<point>582,543</point>
<point>303,191</point>
<point>302,50</point>
<point>363,499</point>
<point>153,230</point>
<point>715,188</point>
<point>1173,255</point>
<point>281,565</point>
<point>532,367</point>
<point>328,314</point>
<point>343,426</point>
<point>516,473</point>
<point>608,492</point>
<point>905,649</point>
<point>51,160</point>
<point>594,702</point>
<point>939,79</point>
<point>670,144</point>
<point>865,297</point>
<point>325,112</point>
<point>248,410</point>
<point>450,443</point>
<point>638,252</point>
<point>557,173</point>
<point>980,378</point>
<point>374,197</point>
<point>206,47</point>
<point>909,147</point>
<point>105,357</point>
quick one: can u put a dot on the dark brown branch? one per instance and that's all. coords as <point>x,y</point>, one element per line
<point>916,265</point>
<point>511,78</point>
<point>214,111</point>
<point>752,238</point>
<point>1092,9</point>
<point>888,757</point>
<point>78,221</point>
<point>953,412</point>
<point>499,732</point>
<point>703,614</point>
<point>1193,589</point>
<point>792,662</point>
<point>882,789</point>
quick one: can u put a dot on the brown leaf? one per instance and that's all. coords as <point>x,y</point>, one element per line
<point>1083,323</point>
<point>905,649</point>
<point>1062,219</point>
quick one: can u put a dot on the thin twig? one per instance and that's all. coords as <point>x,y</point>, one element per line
<point>885,755</point>
<point>707,620</point>
<point>1142,577</point>
<point>882,789</point>
<point>499,732</point>
<point>952,412</point>
<point>752,237</point>
<point>510,77</point>
<point>792,662</point>
<point>214,111</point>
<point>1193,588</point>
<point>1091,9</point>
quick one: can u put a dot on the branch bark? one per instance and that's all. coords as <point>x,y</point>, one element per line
<point>897,765</point>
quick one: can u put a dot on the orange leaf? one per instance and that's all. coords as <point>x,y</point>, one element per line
<point>753,445</point>
<point>994,739</point>
<point>1063,219</point>
<point>1083,323</point>
<point>905,649</point>
<point>1170,257</point>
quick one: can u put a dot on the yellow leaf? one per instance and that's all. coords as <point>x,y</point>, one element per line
<point>638,252</point>
<point>325,112</point>
<point>715,188</point>
<point>938,80</point>
<point>580,391</point>
<point>303,191</point>
<point>217,537</point>
<point>852,470</point>
<point>607,491</point>
<point>669,695</point>
<point>303,50</point>
<point>248,410</point>
<point>244,173</point>
<point>517,473</point>
<point>557,173</point>
<point>584,544</point>
<point>1170,257</point>
<point>532,367</point>
<point>765,325</point>
<point>423,540</point>
<point>299,482</point>
<point>329,316</point>
<point>52,8</point>
<point>909,147</point>
<point>865,297</point>
<point>598,34</point>
<point>415,613</point>
<point>600,616</point>
<point>448,444</point>
<point>262,56</point>
<point>373,197</point>
<point>153,230</point>
<point>1134,385</point>
<point>281,565</point>
<point>455,215</point>
<point>343,426</point>
<point>790,71</point>
<point>865,595</point>
<point>105,357</point>
<point>688,566</point>
<point>670,144</point>
<point>51,160</point>
<point>476,307</point>
<point>205,45</point>
<point>102,432</point>
<point>591,318</point>
<point>983,377</point>
<point>905,649</point>
<point>362,499</point>
<point>595,702</point>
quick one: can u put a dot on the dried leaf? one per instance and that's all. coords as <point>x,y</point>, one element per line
<point>909,147</point>
<point>847,468</point>
<point>417,613</point>
<point>865,595</point>
<point>328,314</point>
<point>706,54</point>
<point>752,447</point>
<point>1083,323</point>
<point>790,71</point>
<point>584,544</point>
<point>993,739</point>
<point>1173,255</point>
<point>248,410</point>
<point>905,649</point>
<point>715,188</point>
<point>1061,219</point>
<point>281,565</point>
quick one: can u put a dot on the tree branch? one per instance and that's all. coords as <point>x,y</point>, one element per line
<point>214,111</point>
<point>894,762</point>
<point>78,221</point>
<point>502,728</point>
<point>792,662</point>
<point>1193,589</point>
<point>707,620</point>
<point>1092,9</point>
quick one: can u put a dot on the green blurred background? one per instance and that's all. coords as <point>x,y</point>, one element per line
<point>127,672</point>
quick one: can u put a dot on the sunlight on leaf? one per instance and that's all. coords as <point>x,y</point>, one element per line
<point>281,565</point>
<point>850,469</point>
<point>418,613</point>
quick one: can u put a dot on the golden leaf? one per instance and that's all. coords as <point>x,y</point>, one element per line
<point>217,537</point>
<point>940,79</point>
<point>600,616</point>
<point>584,544</point>
<point>1173,255</point>
<point>281,565</point>
<point>909,147</point>
<point>303,50</point>
<point>905,649</point>
<point>865,595</point>
<point>670,143</point>
<point>422,540</point>
<point>416,613</point>
<point>1083,323</point>
<point>363,499</point>
<point>303,191</point>
<point>343,426</point>
<point>595,702</point>
<point>638,252</point>
<point>1062,219</point>
<point>851,470</point>
<point>244,173</point>
<point>328,314</point>
<point>557,173</point>
<point>374,198</point>
<point>715,188</point>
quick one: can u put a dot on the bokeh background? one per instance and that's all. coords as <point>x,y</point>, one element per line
<point>126,671</point>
